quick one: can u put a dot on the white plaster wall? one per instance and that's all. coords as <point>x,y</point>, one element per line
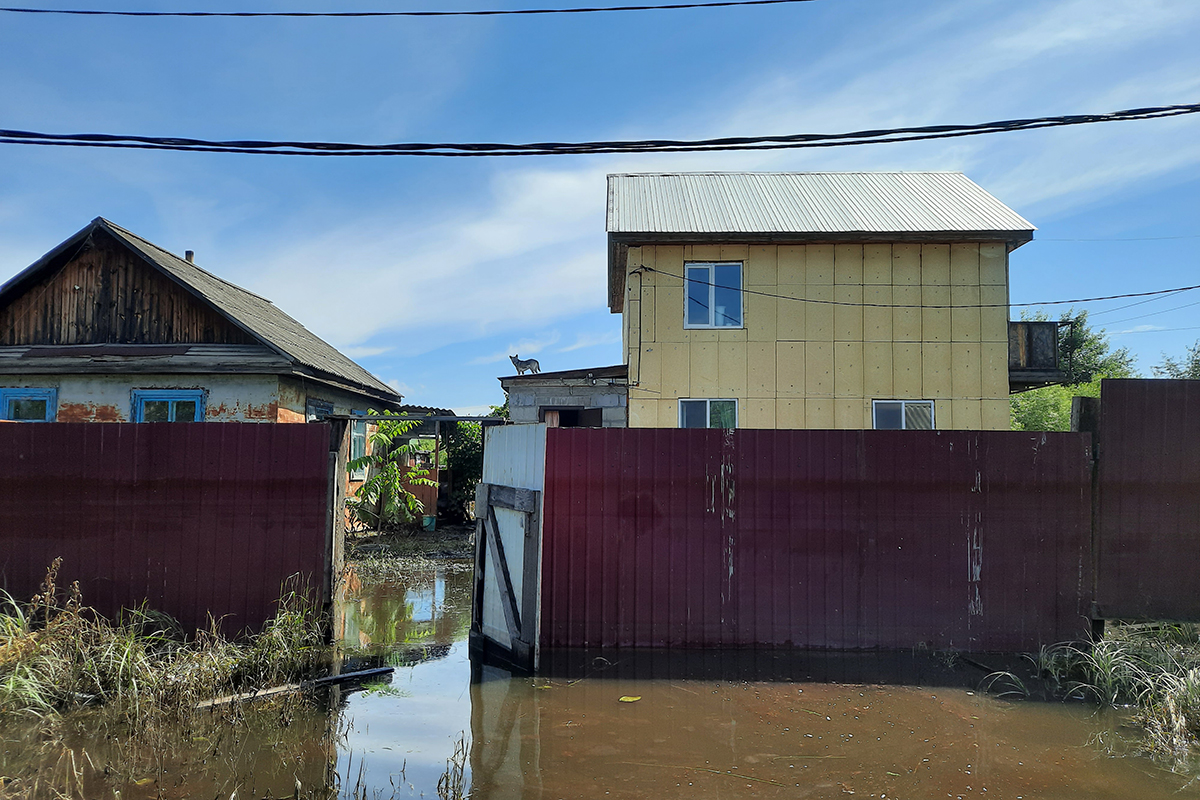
<point>109,398</point>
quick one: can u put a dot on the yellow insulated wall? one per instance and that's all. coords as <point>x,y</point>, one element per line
<point>898,322</point>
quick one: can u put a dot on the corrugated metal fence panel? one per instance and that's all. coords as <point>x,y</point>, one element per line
<point>190,519</point>
<point>825,539</point>
<point>1149,483</point>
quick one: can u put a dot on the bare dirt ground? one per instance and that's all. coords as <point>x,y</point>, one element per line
<point>373,554</point>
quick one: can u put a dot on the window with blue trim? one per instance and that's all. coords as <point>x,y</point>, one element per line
<point>28,405</point>
<point>168,405</point>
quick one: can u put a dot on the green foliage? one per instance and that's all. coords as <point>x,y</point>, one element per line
<point>500,411</point>
<point>464,457</point>
<point>383,502</point>
<point>1153,668</point>
<point>1048,408</point>
<point>1187,367</point>
<point>1087,357</point>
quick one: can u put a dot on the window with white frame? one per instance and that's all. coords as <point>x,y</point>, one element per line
<point>903,415</point>
<point>358,446</point>
<point>714,295</point>
<point>28,405</point>
<point>708,413</point>
<point>168,405</point>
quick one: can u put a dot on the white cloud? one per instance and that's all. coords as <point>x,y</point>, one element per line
<point>525,348</point>
<point>591,340</point>
<point>534,253</point>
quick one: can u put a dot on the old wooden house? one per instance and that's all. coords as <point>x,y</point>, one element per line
<point>108,327</point>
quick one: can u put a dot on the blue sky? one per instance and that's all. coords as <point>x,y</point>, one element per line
<point>430,271</point>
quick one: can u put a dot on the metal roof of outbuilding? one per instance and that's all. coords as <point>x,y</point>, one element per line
<point>800,207</point>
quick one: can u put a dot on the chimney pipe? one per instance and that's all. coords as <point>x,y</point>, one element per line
<point>188,255</point>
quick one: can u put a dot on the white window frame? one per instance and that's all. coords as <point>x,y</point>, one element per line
<point>358,438</point>
<point>9,395</point>
<point>903,413</point>
<point>708,401</point>
<point>712,306</point>
<point>141,396</point>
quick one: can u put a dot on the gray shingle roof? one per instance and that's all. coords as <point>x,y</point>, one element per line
<point>254,314</point>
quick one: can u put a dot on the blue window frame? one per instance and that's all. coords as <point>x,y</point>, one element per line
<point>29,405</point>
<point>168,405</point>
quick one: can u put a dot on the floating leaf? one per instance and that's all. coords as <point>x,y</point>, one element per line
<point>626,698</point>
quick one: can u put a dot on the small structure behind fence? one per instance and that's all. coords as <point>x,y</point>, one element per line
<point>186,518</point>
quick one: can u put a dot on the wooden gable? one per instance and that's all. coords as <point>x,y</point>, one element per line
<point>103,292</point>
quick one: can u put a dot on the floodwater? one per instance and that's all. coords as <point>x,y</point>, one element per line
<point>609,725</point>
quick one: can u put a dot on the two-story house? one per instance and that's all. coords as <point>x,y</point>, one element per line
<point>812,300</point>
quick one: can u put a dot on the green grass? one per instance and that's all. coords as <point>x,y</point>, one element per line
<point>1151,669</point>
<point>57,656</point>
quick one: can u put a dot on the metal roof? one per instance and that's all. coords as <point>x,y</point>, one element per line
<point>805,203</point>
<point>749,207</point>
<point>256,315</point>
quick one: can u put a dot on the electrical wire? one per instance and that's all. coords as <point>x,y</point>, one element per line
<point>643,267</point>
<point>489,149</point>
<point>1152,314</point>
<point>356,14</point>
<point>1157,330</point>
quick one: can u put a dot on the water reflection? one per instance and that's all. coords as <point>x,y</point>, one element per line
<point>607,724</point>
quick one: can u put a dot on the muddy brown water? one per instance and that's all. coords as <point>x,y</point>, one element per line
<point>603,725</point>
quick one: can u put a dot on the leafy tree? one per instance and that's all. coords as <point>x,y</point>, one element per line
<point>1086,356</point>
<point>464,457</point>
<point>1186,367</point>
<point>1048,408</point>
<point>383,502</point>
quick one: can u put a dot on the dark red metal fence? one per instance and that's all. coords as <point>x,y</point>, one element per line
<point>190,519</point>
<point>1148,566</point>
<point>826,539</point>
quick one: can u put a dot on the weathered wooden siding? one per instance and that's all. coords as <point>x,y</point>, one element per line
<point>191,519</point>
<point>819,539</point>
<point>1149,486</point>
<point>105,293</point>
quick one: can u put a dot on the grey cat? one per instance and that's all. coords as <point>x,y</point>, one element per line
<point>523,364</point>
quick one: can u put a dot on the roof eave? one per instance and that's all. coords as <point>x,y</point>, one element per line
<point>619,243</point>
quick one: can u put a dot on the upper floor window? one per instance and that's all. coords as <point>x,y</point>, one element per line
<point>896,415</point>
<point>28,405</point>
<point>708,413</point>
<point>168,405</point>
<point>714,295</point>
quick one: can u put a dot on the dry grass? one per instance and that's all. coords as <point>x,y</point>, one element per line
<point>58,656</point>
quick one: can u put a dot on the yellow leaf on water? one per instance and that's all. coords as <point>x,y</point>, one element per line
<point>629,698</point>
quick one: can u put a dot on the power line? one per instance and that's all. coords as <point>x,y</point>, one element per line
<point>902,305</point>
<point>358,14</point>
<point>488,149</point>
<point>1125,239</point>
<point>1152,314</point>
<point>1157,330</point>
